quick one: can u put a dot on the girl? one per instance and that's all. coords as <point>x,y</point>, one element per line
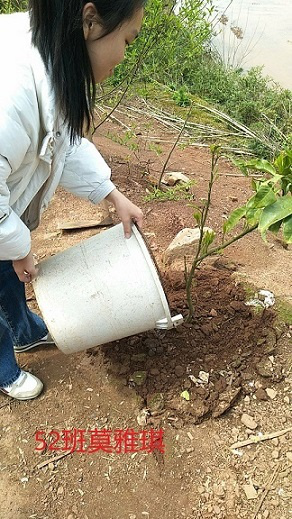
<point>50,62</point>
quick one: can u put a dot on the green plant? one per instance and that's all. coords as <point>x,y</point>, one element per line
<point>181,97</point>
<point>269,209</point>
<point>10,6</point>
<point>181,191</point>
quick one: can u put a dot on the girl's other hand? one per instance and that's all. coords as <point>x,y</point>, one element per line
<point>25,268</point>
<point>127,211</point>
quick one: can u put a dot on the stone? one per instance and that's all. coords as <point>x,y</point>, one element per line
<point>183,245</point>
<point>261,394</point>
<point>154,371</point>
<point>275,454</point>
<point>271,393</point>
<point>227,398</point>
<point>60,491</point>
<point>286,400</point>
<point>248,421</point>
<point>213,313</point>
<point>174,177</point>
<point>265,368</point>
<point>250,491</point>
<point>139,377</point>
<point>179,371</point>
<point>218,490</point>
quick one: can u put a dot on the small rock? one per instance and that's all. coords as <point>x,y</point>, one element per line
<point>60,491</point>
<point>227,398</point>
<point>51,466</point>
<point>216,510</point>
<point>99,488</point>
<point>261,394</point>
<point>266,514</point>
<point>265,368</point>
<point>184,245</point>
<point>132,516</point>
<point>286,400</point>
<point>179,371</point>
<point>271,393</point>
<point>248,421</point>
<point>142,417</point>
<point>275,454</point>
<point>275,441</point>
<point>154,371</point>
<point>213,312</point>
<point>236,305</point>
<point>250,491</point>
<point>204,377</point>
<point>71,516</point>
<point>173,177</point>
<point>218,490</point>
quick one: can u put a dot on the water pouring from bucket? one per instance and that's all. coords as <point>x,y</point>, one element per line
<point>101,290</point>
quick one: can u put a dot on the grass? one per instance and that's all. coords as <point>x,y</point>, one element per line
<point>182,191</point>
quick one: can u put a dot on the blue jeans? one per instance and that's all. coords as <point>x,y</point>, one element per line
<point>18,324</point>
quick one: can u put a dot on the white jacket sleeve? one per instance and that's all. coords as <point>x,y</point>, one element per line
<point>86,173</point>
<point>15,241</point>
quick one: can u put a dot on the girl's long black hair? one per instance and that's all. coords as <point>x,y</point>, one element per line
<point>57,32</point>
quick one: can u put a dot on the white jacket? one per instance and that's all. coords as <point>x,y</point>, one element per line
<point>35,152</point>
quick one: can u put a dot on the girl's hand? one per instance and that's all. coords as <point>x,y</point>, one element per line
<point>25,268</point>
<point>127,211</point>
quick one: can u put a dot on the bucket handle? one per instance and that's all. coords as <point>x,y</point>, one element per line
<point>163,324</point>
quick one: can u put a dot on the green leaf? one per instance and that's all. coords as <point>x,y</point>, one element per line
<point>240,164</point>
<point>261,165</point>
<point>198,217</point>
<point>264,196</point>
<point>281,209</point>
<point>253,216</point>
<point>185,395</point>
<point>207,240</point>
<point>284,163</point>
<point>287,229</point>
<point>275,227</point>
<point>233,219</point>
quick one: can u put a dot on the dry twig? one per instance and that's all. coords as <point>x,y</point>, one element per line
<point>51,460</point>
<point>256,439</point>
<point>267,490</point>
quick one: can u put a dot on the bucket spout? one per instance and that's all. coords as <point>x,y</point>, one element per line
<point>166,324</point>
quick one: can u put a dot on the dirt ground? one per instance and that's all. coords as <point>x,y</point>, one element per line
<point>231,361</point>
